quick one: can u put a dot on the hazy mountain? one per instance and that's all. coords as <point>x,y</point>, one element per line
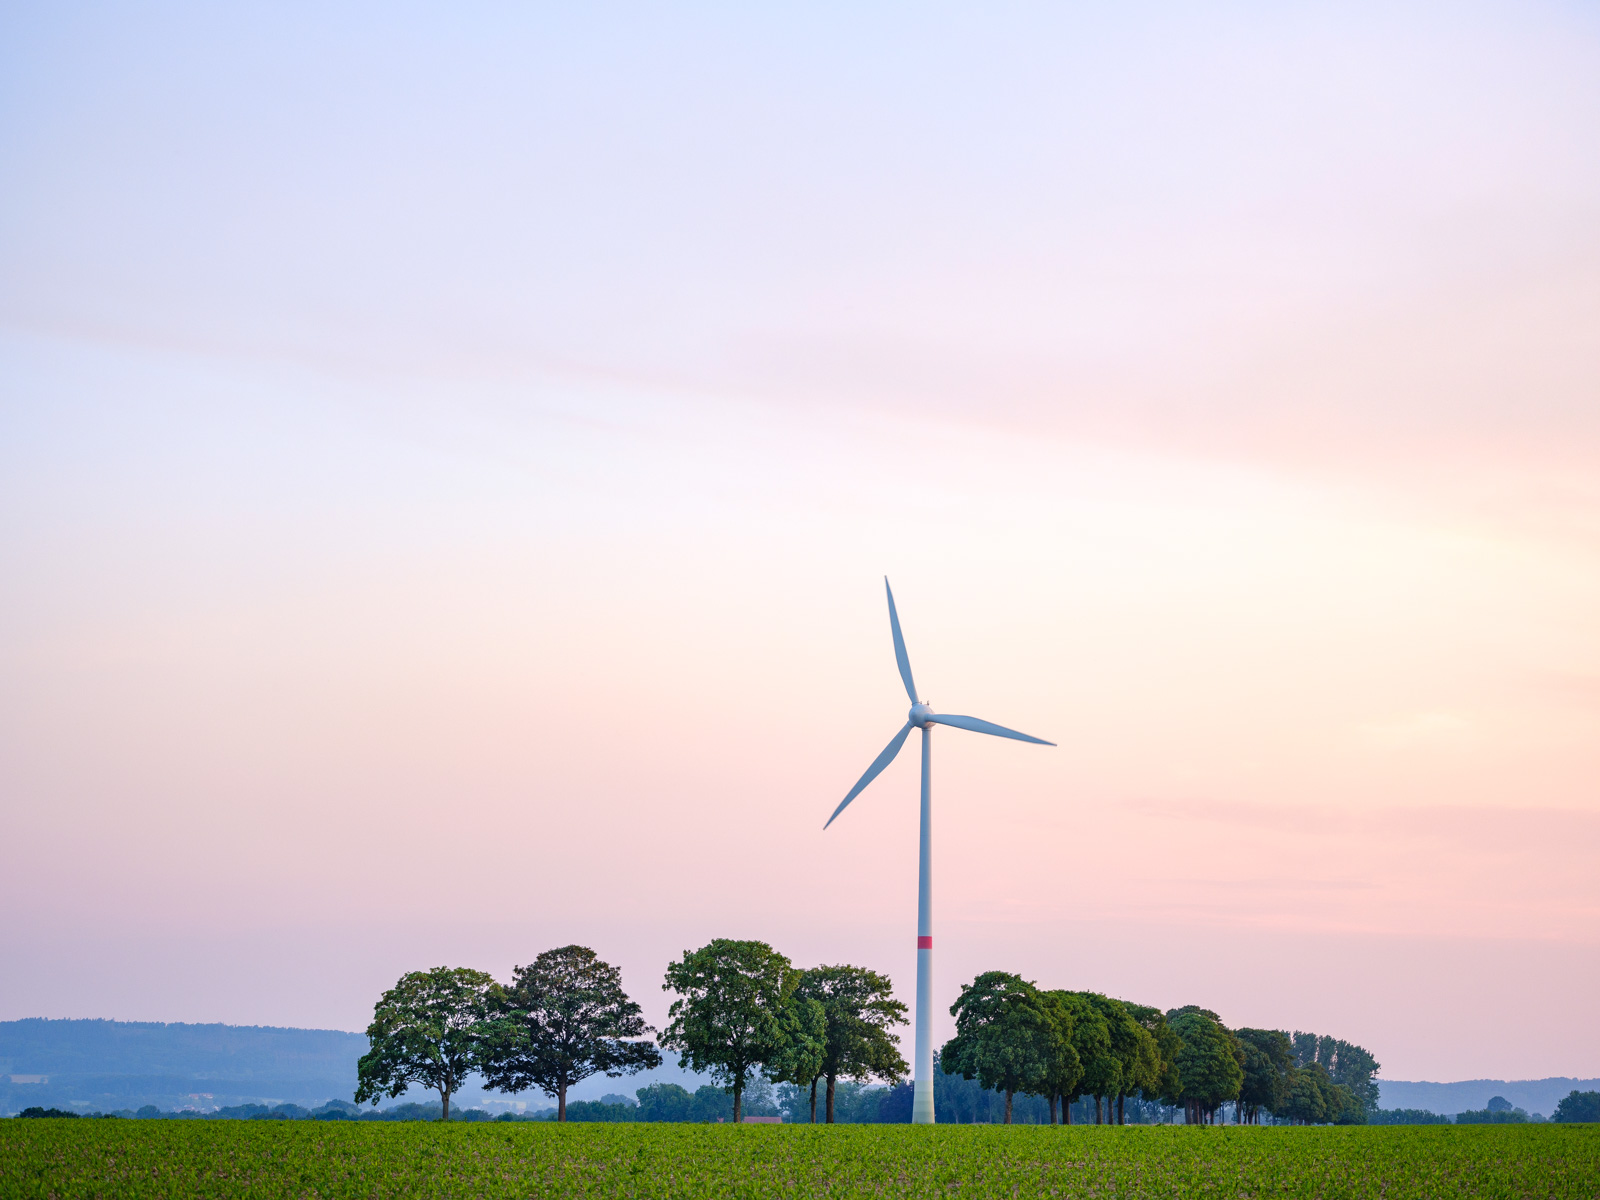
<point>125,1064</point>
<point>1532,1095</point>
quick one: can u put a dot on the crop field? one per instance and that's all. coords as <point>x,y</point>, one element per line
<point>176,1159</point>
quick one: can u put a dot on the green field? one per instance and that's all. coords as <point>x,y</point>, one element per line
<point>48,1158</point>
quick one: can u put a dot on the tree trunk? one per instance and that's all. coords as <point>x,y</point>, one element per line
<point>1009,1094</point>
<point>813,1101</point>
<point>832,1079</point>
<point>1099,1119</point>
<point>1066,1111</point>
<point>444,1102</point>
<point>1052,1109</point>
<point>738,1101</point>
<point>1122,1115</point>
<point>561,1104</point>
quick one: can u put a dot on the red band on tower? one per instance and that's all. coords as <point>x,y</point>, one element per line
<point>924,943</point>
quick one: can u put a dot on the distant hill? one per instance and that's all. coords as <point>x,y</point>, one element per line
<point>1533,1095</point>
<point>125,1064</point>
<point>108,1065</point>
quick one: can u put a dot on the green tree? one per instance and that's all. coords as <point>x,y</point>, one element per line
<point>1578,1106</point>
<point>1065,1067</point>
<point>564,1018</point>
<point>1268,1058</point>
<point>1138,1062</point>
<point>1307,1092</point>
<point>800,1059</point>
<point>1004,1037</point>
<point>1348,1065</point>
<point>1105,1071</point>
<point>431,1028</point>
<point>710,1104</point>
<point>733,1014</point>
<point>1208,1069</point>
<point>1090,1038</point>
<point>1165,1081</point>
<point>859,1013</point>
<point>664,1102</point>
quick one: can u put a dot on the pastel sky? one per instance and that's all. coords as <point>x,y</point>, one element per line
<point>449,457</point>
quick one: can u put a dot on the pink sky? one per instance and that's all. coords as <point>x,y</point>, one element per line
<point>447,472</point>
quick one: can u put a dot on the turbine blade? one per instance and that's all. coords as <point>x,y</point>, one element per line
<point>900,658</point>
<point>878,764</point>
<point>978,726</point>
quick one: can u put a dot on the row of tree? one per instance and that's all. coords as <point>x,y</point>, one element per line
<point>1013,1036</point>
<point>743,1012</point>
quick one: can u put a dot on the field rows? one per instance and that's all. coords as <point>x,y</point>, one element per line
<point>62,1159</point>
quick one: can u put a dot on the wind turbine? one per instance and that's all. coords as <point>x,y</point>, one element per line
<point>924,718</point>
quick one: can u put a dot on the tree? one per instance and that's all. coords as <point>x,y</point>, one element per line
<point>1268,1058</point>
<point>1164,1079</point>
<point>664,1102</point>
<point>859,1010</point>
<point>1348,1065</point>
<point>1578,1106</point>
<point>1208,1071</point>
<point>1090,1038</point>
<point>1004,1038</point>
<point>800,1058</point>
<point>1133,1051</point>
<point>430,1028</point>
<point>1104,1070</point>
<point>564,1018</point>
<point>733,1013</point>
<point>1345,1107</point>
<point>1064,1068</point>
<point>1306,1095</point>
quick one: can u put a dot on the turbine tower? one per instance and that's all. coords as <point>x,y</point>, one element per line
<point>924,718</point>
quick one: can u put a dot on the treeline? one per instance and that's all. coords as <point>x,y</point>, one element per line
<point>1016,1038</point>
<point>746,1016</point>
<point>743,1011</point>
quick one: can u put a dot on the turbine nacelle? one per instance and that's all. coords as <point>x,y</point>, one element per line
<point>921,715</point>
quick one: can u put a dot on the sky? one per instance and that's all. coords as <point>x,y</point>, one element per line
<point>450,458</point>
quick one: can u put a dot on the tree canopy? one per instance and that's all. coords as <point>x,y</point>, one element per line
<point>859,1012</point>
<point>1267,1058</point>
<point>430,1028</point>
<point>1347,1065</point>
<point>1135,1062</point>
<point>1064,1067</point>
<point>1090,1039</point>
<point>734,1013</point>
<point>1163,1080</point>
<point>564,1018</point>
<point>800,1059</point>
<point>1005,1038</point>
<point>1578,1106</point>
<point>1208,1071</point>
